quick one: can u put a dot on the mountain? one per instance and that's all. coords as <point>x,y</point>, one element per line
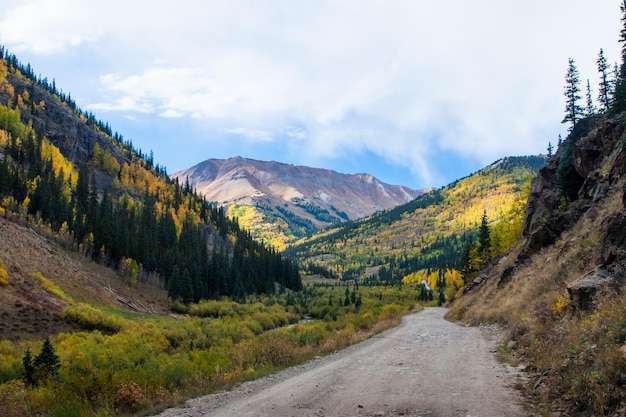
<point>277,201</point>
<point>559,292</point>
<point>428,233</point>
<point>70,178</point>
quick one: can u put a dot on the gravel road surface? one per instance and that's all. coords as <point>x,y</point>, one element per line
<point>425,367</point>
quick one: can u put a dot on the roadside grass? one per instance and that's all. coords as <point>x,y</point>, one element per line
<point>127,364</point>
<point>575,357</point>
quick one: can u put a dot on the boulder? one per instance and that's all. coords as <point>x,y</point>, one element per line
<point>583,290</point>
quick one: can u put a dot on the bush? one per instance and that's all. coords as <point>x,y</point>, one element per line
<point>129,397</point>
<point>50,287</point>
<point>90,318</point>
<point>4,275</point>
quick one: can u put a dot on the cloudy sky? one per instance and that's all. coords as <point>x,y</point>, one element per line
<point>415,92</point>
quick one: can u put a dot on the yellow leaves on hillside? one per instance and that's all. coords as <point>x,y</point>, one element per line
<point>4,137</point>
<point>451,277</point>
<point>4,83</point>
<point>4,275</point>
<point>130,269</point>
<point>49,152</point>
<point>139,179</point>
<point>271,232</point>
<point>50,287</point>
<point>103,158</point>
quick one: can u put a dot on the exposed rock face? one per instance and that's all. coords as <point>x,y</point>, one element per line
<point>320,196</point>
<point>596,156</point>
<point>593,157</point>
<point>62,126</point>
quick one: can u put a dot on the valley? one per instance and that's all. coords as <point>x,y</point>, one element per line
<point>427,366</point>
<point>278,202</point>
<point>243,287</point>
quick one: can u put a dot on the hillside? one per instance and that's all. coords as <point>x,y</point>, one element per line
<point>278,202</point>
<point>430,232</point>
<point>31,309</point>
<point>68,173</point>
<point>560,291</point>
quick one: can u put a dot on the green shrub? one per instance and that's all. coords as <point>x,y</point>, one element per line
<point>90,318</point>
<point>50,287</point>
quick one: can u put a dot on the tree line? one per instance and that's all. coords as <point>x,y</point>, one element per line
<point>129,214</point>
<point>611,99</point>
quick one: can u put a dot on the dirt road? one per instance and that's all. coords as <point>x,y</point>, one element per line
<point>425,367</point>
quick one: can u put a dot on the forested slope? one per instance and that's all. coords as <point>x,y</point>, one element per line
<point>431,234</point>
<point>70,174</point>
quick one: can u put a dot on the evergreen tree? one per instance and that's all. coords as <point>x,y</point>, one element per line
<point>29,368</point>
<point>619,94</point>
<point>484,239</point>
<point>567,179</point>
<point>46,364</point>
<point>573,111</point>
<point>605,88</point>
<point>591,108</point>
<point>442,298</point>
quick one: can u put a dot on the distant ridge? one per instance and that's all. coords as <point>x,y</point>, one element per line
<point>301,198</point>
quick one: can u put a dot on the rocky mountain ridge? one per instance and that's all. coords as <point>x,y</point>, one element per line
<point>302,198</point>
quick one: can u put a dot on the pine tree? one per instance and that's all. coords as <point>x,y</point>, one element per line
<point>29,369</point>
<point>605,88</point>
<point>442,298</point>
<point>591,108</point>
<point>619,95</point>
<point>550,149</point>
<point>47,363</point>
<point>484,239</point>
<point>573,111</point>
<point>359,302</point>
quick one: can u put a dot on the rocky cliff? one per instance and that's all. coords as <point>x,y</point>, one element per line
<point>586,171</point>
<point>559,293</point>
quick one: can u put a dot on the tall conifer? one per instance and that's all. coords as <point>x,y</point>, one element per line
<point>619,95</point>
<point>605,87</point>
<point>573,111</point>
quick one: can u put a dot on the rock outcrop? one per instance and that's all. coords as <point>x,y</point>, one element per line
<point>587,169</point>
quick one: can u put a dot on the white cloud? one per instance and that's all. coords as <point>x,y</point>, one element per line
<point>403,79</point>
<point>50,26</point>
<point>252,134</point>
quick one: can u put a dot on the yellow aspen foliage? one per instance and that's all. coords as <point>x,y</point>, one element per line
<point>4,137</point>
<point>431,279</point>
<point>50,287</point>
<point>105,160</point>
<point>4,83</point>
<point>60,164</point>
<point>130,269</point>
<point>453,278</point>
<point>415,277</point>
<point>177,222</point>
<point>3,72</point>
<point>4,275</point>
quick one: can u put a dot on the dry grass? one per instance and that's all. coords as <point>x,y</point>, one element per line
<point>578,351</point>
<point>32,261</point>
